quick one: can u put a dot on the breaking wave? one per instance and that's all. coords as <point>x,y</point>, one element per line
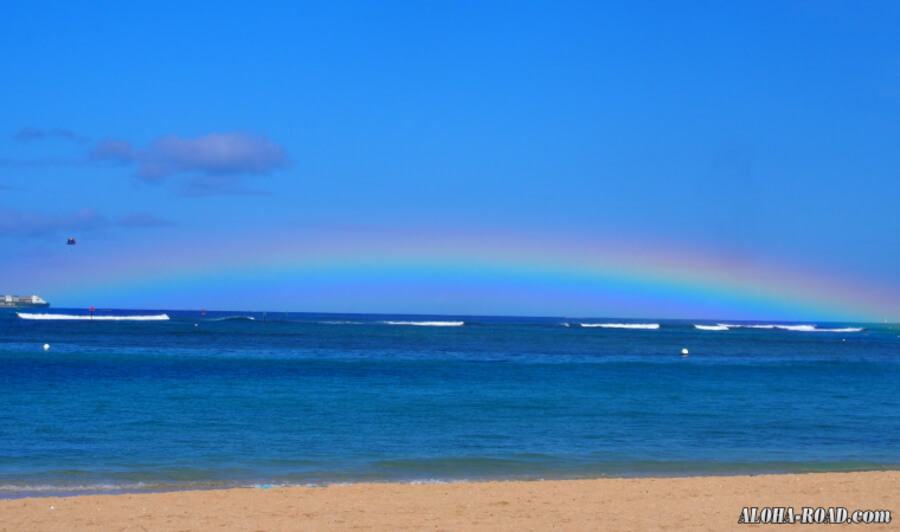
<point>623,325</point>
<point>427,323</point>
<point>77,488</point>
<point>718,327</point>
<point>151,317</point>
<point>803,328</point>
<point>797,328</point>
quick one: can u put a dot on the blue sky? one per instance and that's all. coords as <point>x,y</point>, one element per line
<point>735,140</point>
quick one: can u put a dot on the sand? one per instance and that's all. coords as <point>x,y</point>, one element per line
<point>698,503</point>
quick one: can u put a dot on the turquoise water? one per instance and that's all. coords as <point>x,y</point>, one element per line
<point>246,399</point>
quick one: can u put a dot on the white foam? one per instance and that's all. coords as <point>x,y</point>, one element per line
<point>813,328</point>
<point>38,488</point>
<point>337,322</point>
<point>427,323</point>
<point>226,318</point>
<point>802,328</point>
<point>152,317</point>
<point>718,327</point>
<point>426,481</point>
<point>623,325</point>
<point>797,328</point>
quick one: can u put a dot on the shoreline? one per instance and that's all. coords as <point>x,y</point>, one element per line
<point>63,491</point>
<point>140,487</point>
<point>644,503</point>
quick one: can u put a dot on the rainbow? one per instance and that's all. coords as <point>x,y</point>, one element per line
<point>462,273</point>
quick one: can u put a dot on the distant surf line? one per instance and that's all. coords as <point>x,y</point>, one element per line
<point>712,327</point>
<point>426,323</point>
<point>83,317</point>
<point>649,326</point>
<point>795,328</point>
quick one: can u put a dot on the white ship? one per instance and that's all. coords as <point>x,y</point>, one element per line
<point>22,302</point>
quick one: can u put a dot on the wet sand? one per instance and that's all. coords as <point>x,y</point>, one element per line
<point>697,503</point>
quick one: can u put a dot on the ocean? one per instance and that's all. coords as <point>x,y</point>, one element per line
<point>190,400</point>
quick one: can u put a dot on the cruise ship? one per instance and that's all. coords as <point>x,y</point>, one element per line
<point>22,302</point>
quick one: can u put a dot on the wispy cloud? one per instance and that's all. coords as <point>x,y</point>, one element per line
<point>18,223</point>
<point>30,224</point>
<point>217,185</point>
<point>140,219</point>
<point>33,133</point>
<point>213,164</point>
<point>213,155</point>
<point>46,161</point>
<point>328,227</point>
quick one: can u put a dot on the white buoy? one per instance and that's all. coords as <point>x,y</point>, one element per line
<point>684,352</point>
<point>46,347</point>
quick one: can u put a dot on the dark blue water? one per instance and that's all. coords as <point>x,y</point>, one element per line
<point>202,401</point>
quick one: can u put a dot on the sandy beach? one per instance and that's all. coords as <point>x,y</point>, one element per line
<point>697,503</point>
